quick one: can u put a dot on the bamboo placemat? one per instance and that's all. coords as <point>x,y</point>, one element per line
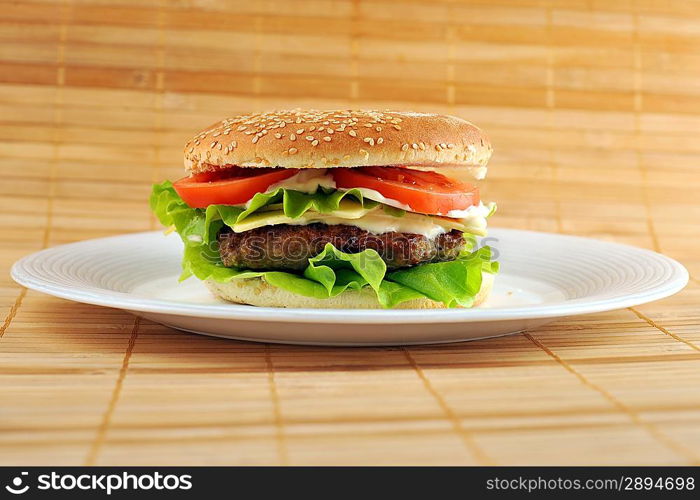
<point>594,111</point>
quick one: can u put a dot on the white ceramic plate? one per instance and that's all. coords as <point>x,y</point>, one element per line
<point>543,277</point>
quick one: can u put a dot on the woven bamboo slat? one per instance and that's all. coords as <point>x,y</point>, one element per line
<point>594,111</point>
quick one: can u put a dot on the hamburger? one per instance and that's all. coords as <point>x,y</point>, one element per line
<point>334,209</point>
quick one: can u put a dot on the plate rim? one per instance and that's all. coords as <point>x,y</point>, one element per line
<point>123,300</point>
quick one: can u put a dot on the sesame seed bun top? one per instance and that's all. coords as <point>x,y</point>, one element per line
<point>338,138</point>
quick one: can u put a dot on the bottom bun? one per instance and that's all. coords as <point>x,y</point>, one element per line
<point>257,292</point>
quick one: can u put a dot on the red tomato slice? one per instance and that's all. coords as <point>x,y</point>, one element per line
<point>232,186</point>
<point>425,192</point>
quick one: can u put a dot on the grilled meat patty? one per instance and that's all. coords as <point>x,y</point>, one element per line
<point>287,246</point>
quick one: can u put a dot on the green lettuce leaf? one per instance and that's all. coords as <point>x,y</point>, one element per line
<point>204,265</point>
<point>454,283</point>
<point>332,271</point>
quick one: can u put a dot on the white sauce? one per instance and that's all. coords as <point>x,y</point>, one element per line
<point>479,210</point>
<point>307,181</point>
<point>474,216</point>
<point>371,194</point>
<point>478,173</point>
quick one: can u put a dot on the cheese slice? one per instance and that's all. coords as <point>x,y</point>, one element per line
<point>374,220</point>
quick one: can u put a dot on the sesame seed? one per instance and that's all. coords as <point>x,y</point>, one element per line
<point>404,147</point>
<point>234,144</point>
<point>241,128</point>
<point>353,133</point>
<point>422,146</point>
<point>292,137</point>
<point>378,129</point>
<point>380,140</point>
<point>443,145</point>
<point>227,131</point>
<point>450,146</point>
<point>255,139</point>
<point>292,151</point>
<point>396,127</point>
<point>278,136</point>
<point>220,146</point>
<point>368,125</point>
<point>327,139</point>
<point>369,140</point>
<point>414,145</point>
<point>197,143</point>
<point>309,137</point>
<point>191,149</point>
<point>216,134</point>
<point>213,144</point>
<point>312,129</point>
<point>314,143</point>
<point>300,131</point>
<point>438,147</point>
<point>329,130</point>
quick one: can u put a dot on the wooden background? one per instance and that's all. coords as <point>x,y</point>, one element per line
<point>593,107</point>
